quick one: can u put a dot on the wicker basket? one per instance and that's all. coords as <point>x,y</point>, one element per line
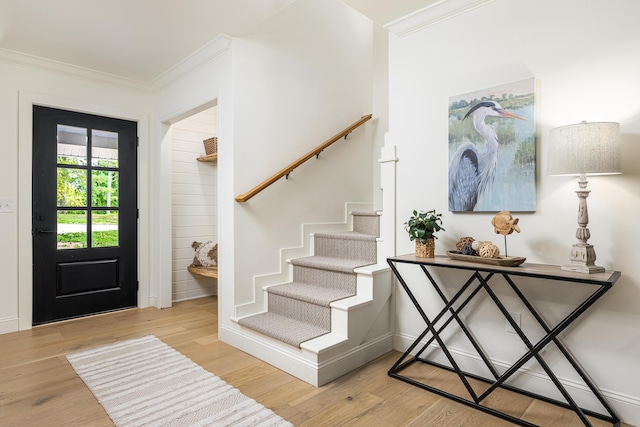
<point>425,250</point>
<point>211,145</point>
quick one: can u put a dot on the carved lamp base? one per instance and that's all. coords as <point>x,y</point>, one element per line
<point>583,257</point>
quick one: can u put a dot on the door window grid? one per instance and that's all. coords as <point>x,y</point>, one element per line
<point>88,188</point>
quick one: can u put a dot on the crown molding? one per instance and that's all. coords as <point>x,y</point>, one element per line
<point>33,61</point>
<point>432,14</point>
<point>215,48</point>
<point>206,53</point>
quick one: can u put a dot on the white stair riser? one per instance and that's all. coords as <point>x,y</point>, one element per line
<point>345,248</point>
<point>318,277</point>
<point>361,325</point>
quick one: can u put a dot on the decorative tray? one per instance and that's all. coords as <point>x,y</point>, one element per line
<point>505,261</point>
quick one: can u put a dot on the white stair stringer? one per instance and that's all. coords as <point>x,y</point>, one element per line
<point>354,319</point>
<point>361,329</point>
<point>287,254</point>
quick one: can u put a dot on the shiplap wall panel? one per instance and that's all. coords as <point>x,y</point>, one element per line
<point>194,202</point>
<point>190,210</point>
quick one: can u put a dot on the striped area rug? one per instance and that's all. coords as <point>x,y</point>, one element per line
<point>144,382</point>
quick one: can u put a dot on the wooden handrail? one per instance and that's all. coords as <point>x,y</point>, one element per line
<point>287,170</point>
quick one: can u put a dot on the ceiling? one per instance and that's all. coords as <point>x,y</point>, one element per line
<point>140,40</point>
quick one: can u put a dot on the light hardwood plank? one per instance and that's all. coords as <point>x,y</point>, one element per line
<point>39,387</point>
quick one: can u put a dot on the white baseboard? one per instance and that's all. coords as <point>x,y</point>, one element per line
<point>9,325</point>
<point>354,358</point>
<point>194,294</point>
<point>626,407</point>
<point>302,363</point>
<point>152,301</point>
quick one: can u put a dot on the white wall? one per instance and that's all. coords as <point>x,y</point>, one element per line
<point>282,90</point>
<point>380,103</point>
<point>25,82</point>
<point>194,207</point>
<point>206,80</point>
<point>585,59</point>
<point>299,79</point>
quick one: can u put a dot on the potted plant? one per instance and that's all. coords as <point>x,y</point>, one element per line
<point>422,227</point>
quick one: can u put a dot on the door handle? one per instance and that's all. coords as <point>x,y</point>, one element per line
<point>41,231</point>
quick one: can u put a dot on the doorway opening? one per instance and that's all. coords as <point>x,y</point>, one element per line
<point>194,202</point>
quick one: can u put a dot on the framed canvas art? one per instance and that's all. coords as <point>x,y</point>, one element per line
<point>492,149</point>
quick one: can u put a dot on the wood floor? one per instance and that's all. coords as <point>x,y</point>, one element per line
<point>39,388</point>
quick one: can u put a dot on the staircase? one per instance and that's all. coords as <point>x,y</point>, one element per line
<point>334,314</point>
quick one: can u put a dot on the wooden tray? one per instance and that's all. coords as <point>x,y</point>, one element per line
<point>505,261</point>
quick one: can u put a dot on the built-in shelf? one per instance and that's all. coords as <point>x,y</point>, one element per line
<point>204,271</point>
<point>208,158</point>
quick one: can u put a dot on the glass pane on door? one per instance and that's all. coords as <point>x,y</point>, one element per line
<point>104,229</point>
<point>72,187</point>
<point>72,229</point>
<point>104,148</point>
<point>72,145</point>
<point>104,188</point>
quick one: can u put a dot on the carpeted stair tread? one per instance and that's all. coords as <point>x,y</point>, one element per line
<point>282,328</point>
<point>347,235</point>
<point>312,294</point>
<point>331,264</point>
<point>300,310</point>
<point>365,213</point>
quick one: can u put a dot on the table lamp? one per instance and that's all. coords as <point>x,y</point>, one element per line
<point>584,149</point>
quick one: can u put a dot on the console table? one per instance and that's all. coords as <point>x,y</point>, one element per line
<point>479,278</point>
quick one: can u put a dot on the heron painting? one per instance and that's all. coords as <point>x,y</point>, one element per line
<point>492,149</point>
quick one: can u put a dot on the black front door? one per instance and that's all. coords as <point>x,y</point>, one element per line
<point>84,221</point>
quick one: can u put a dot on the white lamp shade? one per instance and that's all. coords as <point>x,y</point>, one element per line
<point>585,148</point>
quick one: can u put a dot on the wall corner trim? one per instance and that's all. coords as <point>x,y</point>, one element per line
<point>215,48</point>
<point>432,14</point>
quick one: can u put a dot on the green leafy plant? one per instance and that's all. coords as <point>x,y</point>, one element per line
<point>423,225</point>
